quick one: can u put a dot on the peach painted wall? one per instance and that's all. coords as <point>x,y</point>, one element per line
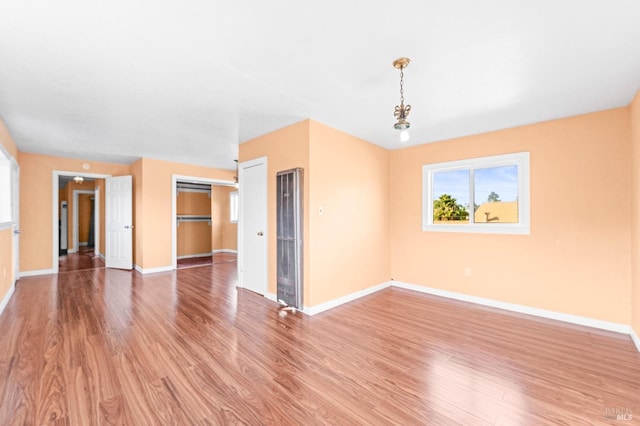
<point>138,209</point>
<point>195,238</point>
<point>7,141</point>
<point>6,235</point>
<point>349,242</point>
<point>216,207</point>
<point>285,149</point>
<point>72,186</point>
<point>84,217</point>
<point>36,203</point>
<point>634,110</point>
<point>577,258</point>
<point>6,261</point>
<point>347,248</point>
<point>155,200</point>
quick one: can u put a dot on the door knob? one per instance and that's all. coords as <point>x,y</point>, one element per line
<point>260,233</point>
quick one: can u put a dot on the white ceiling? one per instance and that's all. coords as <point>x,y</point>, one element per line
<point>189,80</point>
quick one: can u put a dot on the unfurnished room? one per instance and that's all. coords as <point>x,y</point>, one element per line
<point>290,213</point>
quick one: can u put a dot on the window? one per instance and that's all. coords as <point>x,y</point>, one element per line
<point>6,204</point>
<point>485,195</point>
<point>233,206</point>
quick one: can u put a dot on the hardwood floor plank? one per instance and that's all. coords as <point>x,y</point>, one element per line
<point>52,403</point>
<point>112,347</point>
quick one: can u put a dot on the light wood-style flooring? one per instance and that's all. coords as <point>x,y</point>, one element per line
<point>84,258</point>
<point>107,346</point>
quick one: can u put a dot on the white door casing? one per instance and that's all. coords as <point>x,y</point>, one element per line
<point>96,220</point>
<point>252,225</point>
<point>15,205</point>
<point>118,223</point>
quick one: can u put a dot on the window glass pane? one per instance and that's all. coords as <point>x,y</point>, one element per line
<point>451,197</point>
<point>233,206</point>
<point>496,194</point>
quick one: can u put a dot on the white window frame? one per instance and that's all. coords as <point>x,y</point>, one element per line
<point>233,207</point>
<point>6,191</point>
<point>520,159</point>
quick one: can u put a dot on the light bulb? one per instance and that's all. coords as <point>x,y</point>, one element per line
<point>404,136</point>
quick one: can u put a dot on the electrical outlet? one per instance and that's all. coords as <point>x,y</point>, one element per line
<point>467,272</point>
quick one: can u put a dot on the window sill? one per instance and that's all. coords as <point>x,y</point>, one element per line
<point>480,229</point>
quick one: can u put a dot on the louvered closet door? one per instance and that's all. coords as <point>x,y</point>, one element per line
<point>289,236</point>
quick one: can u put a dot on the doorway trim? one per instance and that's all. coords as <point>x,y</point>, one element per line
<point>174,193</point>
<point>54,216</point>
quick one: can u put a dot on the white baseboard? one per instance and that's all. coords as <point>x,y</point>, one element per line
<point>271,296</point>
<point>7,297</point>
<point>35,273</point>
<point>153,270</point>
<point>635,338</point>
<point>189,256</point>
<point>314,310</point>
<point>543,313</point>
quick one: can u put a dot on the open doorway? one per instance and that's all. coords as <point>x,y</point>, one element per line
<point>78,240</point>
<point>78,224</point>
<point>204,231</point>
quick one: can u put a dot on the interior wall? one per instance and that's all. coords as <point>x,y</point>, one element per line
<point>84,218</point>
<point>634,110</point>
<point>216,206</point>
<point>155,193</point>
<point>350,238</point>
<point>577,258</point>
<point>194,238</point>
<point>229,230</point>
<point>72,186</point>
<point>7,140</point>
<point>346,249</point>
<point>36,203</point>
<point>285,149</point>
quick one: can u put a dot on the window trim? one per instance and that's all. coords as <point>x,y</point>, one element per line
<point>520,159</point>
<point>6,197</point>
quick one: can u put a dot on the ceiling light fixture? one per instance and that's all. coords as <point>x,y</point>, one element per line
<point>236,178</point>
<point>78,179</point>
<point>402,111</point>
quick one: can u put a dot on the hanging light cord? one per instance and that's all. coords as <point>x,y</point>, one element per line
<point>401,86</point>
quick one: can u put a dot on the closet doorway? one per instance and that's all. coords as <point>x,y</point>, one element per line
<point>204,229</point>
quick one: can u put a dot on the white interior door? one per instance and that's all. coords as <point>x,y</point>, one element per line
<point>118,223</point>
<point>252,229</point>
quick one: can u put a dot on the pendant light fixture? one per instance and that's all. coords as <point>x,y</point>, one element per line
<point>78,179</point>
<point>236,178</point>
<point>402,111</point>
